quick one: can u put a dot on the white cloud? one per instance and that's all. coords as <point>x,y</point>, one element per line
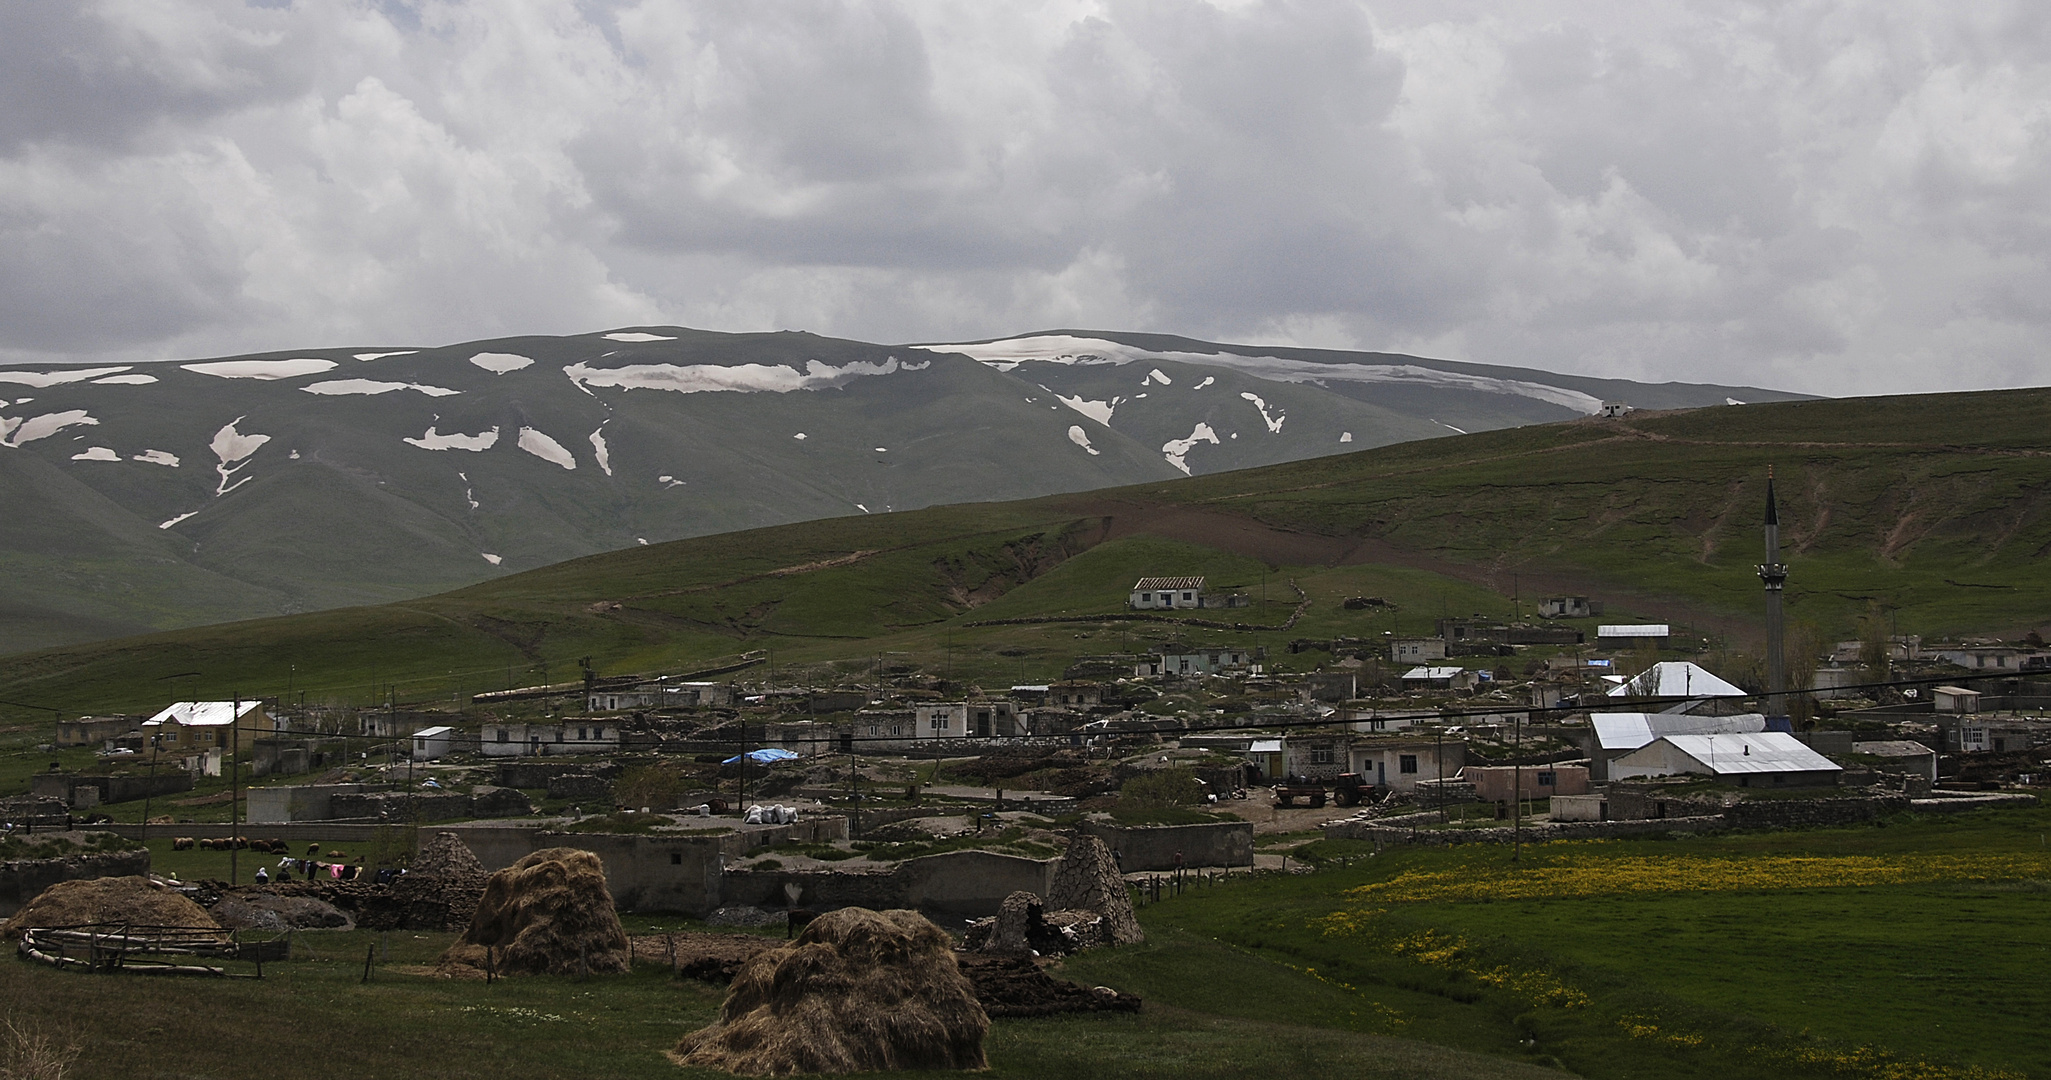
<point>1826,195</point>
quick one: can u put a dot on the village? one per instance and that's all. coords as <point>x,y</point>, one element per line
<point>1180,757</point>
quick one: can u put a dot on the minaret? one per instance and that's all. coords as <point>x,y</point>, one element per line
<point>1774,575</point>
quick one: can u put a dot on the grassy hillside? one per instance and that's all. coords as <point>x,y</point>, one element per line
<point>1930,510</point>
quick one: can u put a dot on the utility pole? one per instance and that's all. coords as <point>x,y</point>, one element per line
<point>1773,574</point>
<point>235,789</point>
<point>1517,792</point>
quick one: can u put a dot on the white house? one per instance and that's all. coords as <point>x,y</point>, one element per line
<point>1754,759</point>
<point>208,725</point>
<point>1902,754</point>
<point>971,719</point>
<point>1417,650</point>
<point>1150,593</point>
<point>1568,607</point>
<point>1400,763</point>
<point>1205,662</point>
<point>1955,699</point>
<point>1618,733</point>
<point>570,737</point>
<point>619,700</point>
<point>431,742</point>
<point>1439,678</point>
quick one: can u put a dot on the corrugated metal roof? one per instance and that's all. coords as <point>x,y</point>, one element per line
<point>1760,752</point>
<point>202,713</point>
<point>1631,730</point>
<point>1627,630</point>
<point>1149,584</point>
<point>433,732</point>
<point>1433,673</point>
<point>1676,678</point>
<point>1265,746</point>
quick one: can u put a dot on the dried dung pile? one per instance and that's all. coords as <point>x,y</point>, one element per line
<point>706,957</point>
<point>1087,879</point>
<point>548,914</point>
<point>1023,925</point>
<point>441,889</point>
<point>858,991</point>
<point>261,909</point>
<point>1015,986</point>
<point>135,901</point>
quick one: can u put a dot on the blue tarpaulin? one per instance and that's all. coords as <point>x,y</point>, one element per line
<point>763,756</point>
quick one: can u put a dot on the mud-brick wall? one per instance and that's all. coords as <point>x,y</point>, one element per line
<point>22,879</point>
<point>947,885</point>
<point>1153,847</point>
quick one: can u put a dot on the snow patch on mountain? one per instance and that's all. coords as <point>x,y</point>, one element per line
<point>97,453</point>
<point>1068,349</point>
<point>1208,380</point>
<point>1100,411</point>
<point>603,453</point>
<point>492,559</point>
<point>455,440</point>
<point>1081,438</point>
<point>382,355</point>
<point>176,520</point>
<point>17,432</point>
<point>126,380</point>
<point>157,457</point>
<point>53,378</point>
<point>499,363</point>
<point>369,387</point>
<point>636,335</point>
<point>262,369</point>
<point>1345,436</point>
<point>1156,376</point>
<point>742,378</point>
<point>1274,422</point>
<point>234,449</point>
<point>545,448</point>
<point>1177,450</point>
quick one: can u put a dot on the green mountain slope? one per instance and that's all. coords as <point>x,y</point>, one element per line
<point>1931,508</point>
<point>152,496</point>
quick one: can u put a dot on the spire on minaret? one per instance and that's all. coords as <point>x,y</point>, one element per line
<point>1774,576</point>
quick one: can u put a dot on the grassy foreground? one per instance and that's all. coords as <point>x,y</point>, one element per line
<point>1912,951</point>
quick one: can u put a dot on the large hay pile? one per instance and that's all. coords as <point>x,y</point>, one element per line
<point>548,914</point>
<point>858,991</point>
<point>134,901</point>
<point>1087,879</point>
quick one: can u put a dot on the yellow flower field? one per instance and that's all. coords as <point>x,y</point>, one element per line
<point>1580,875</point>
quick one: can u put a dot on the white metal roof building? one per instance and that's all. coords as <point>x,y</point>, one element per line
<point>1676,679</point>
<point>1631,730</point>
<point>1752,759</point>
<point>1633,630</point>
<point>203,713</point>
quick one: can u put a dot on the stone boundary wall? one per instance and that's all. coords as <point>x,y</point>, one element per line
<point>952,884</point>
<point>1758,814</point>
<point>1532,834</point>
<point>21,880</point>
<point>1153,847</point>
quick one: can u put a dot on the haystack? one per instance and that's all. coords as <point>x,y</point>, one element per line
<point>858,991</point>
<point>1087,879</point>
<point>134,901</point>
<point>548,914</point>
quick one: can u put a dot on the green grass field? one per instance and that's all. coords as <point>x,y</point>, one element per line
<point>1909,951</point>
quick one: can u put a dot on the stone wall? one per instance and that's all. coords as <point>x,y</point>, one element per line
<point>1153,847</point>
<point>948,886</point>
<point>1812,813</point>
<point>1393,831</point>
<point>22,879</point>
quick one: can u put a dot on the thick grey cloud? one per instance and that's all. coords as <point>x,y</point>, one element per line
<point>1826,195</point>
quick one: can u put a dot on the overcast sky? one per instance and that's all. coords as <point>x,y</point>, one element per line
<point>1837,197</point>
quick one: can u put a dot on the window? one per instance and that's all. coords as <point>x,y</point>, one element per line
<point>583,735</point>
<point>559,735</point>
<point>942,722</point>
<point>1407,763</point>
<point>1321,755</point>
<point>1545,779</point>
<point>676,858</point>
<point>502,734</point>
